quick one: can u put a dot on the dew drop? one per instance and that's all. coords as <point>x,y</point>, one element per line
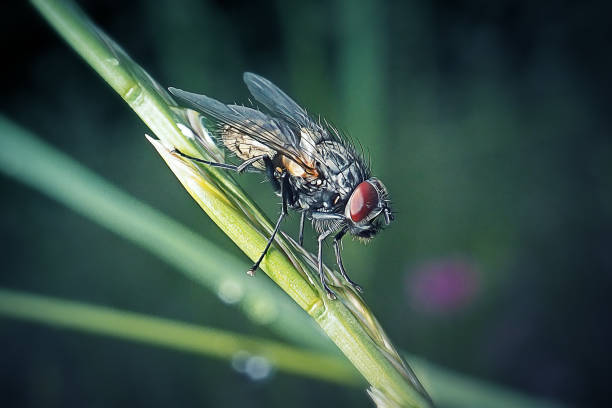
<point>258,368</point>
<point>230,291</point>
<point>239,361</point>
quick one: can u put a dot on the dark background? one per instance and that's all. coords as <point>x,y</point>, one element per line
<point>487,121</point>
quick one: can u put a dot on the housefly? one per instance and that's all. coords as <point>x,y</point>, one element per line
<point>312,167</point>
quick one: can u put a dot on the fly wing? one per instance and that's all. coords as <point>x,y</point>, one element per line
<point>255,125</point>
<point>309,132</point>
<point>322,148</point>
<point>278,102</point>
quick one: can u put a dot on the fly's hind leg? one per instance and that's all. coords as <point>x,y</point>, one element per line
<point>284,190</point>
<point>239,169</point>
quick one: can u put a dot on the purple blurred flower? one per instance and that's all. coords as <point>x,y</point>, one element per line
<point>442,285</point>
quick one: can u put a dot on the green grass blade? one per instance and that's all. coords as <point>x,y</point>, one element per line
<point>450,389</point>
<point>173,334</point>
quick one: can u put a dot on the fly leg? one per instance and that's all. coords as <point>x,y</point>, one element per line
<point>330,293</point>
<point>240,168</point>
<point>284,194</point>
<point>337,241</point>
<point>301,233</point>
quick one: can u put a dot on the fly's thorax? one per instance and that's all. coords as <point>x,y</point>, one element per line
<point>338,172</point>
<point>315,195</point>
<point>344,169</point>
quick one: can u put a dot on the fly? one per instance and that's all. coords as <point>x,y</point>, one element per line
<point>311,166</point>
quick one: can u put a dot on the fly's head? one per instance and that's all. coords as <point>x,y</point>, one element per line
<point>366,205</point>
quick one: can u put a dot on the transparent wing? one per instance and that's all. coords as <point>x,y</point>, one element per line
<point>278,102</point>
<point>319,144</point>
<point>256,125</point>
<point>309,132</point>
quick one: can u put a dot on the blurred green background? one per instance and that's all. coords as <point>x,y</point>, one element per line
<point>488,122</point>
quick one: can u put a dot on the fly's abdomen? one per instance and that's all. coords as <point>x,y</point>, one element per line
<point>244,146</point>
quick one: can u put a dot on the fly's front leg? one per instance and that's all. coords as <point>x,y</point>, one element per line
<point>284,194</point>
<point>330,293</point>
<point>337,241</point>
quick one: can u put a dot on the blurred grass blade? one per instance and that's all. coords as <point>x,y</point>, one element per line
<point>62,178</point>
<point>452,390</point>
<point>361,58</point>
<point>173,334</point>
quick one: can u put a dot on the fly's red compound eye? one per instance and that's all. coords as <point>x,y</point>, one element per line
<point>363,200</point>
